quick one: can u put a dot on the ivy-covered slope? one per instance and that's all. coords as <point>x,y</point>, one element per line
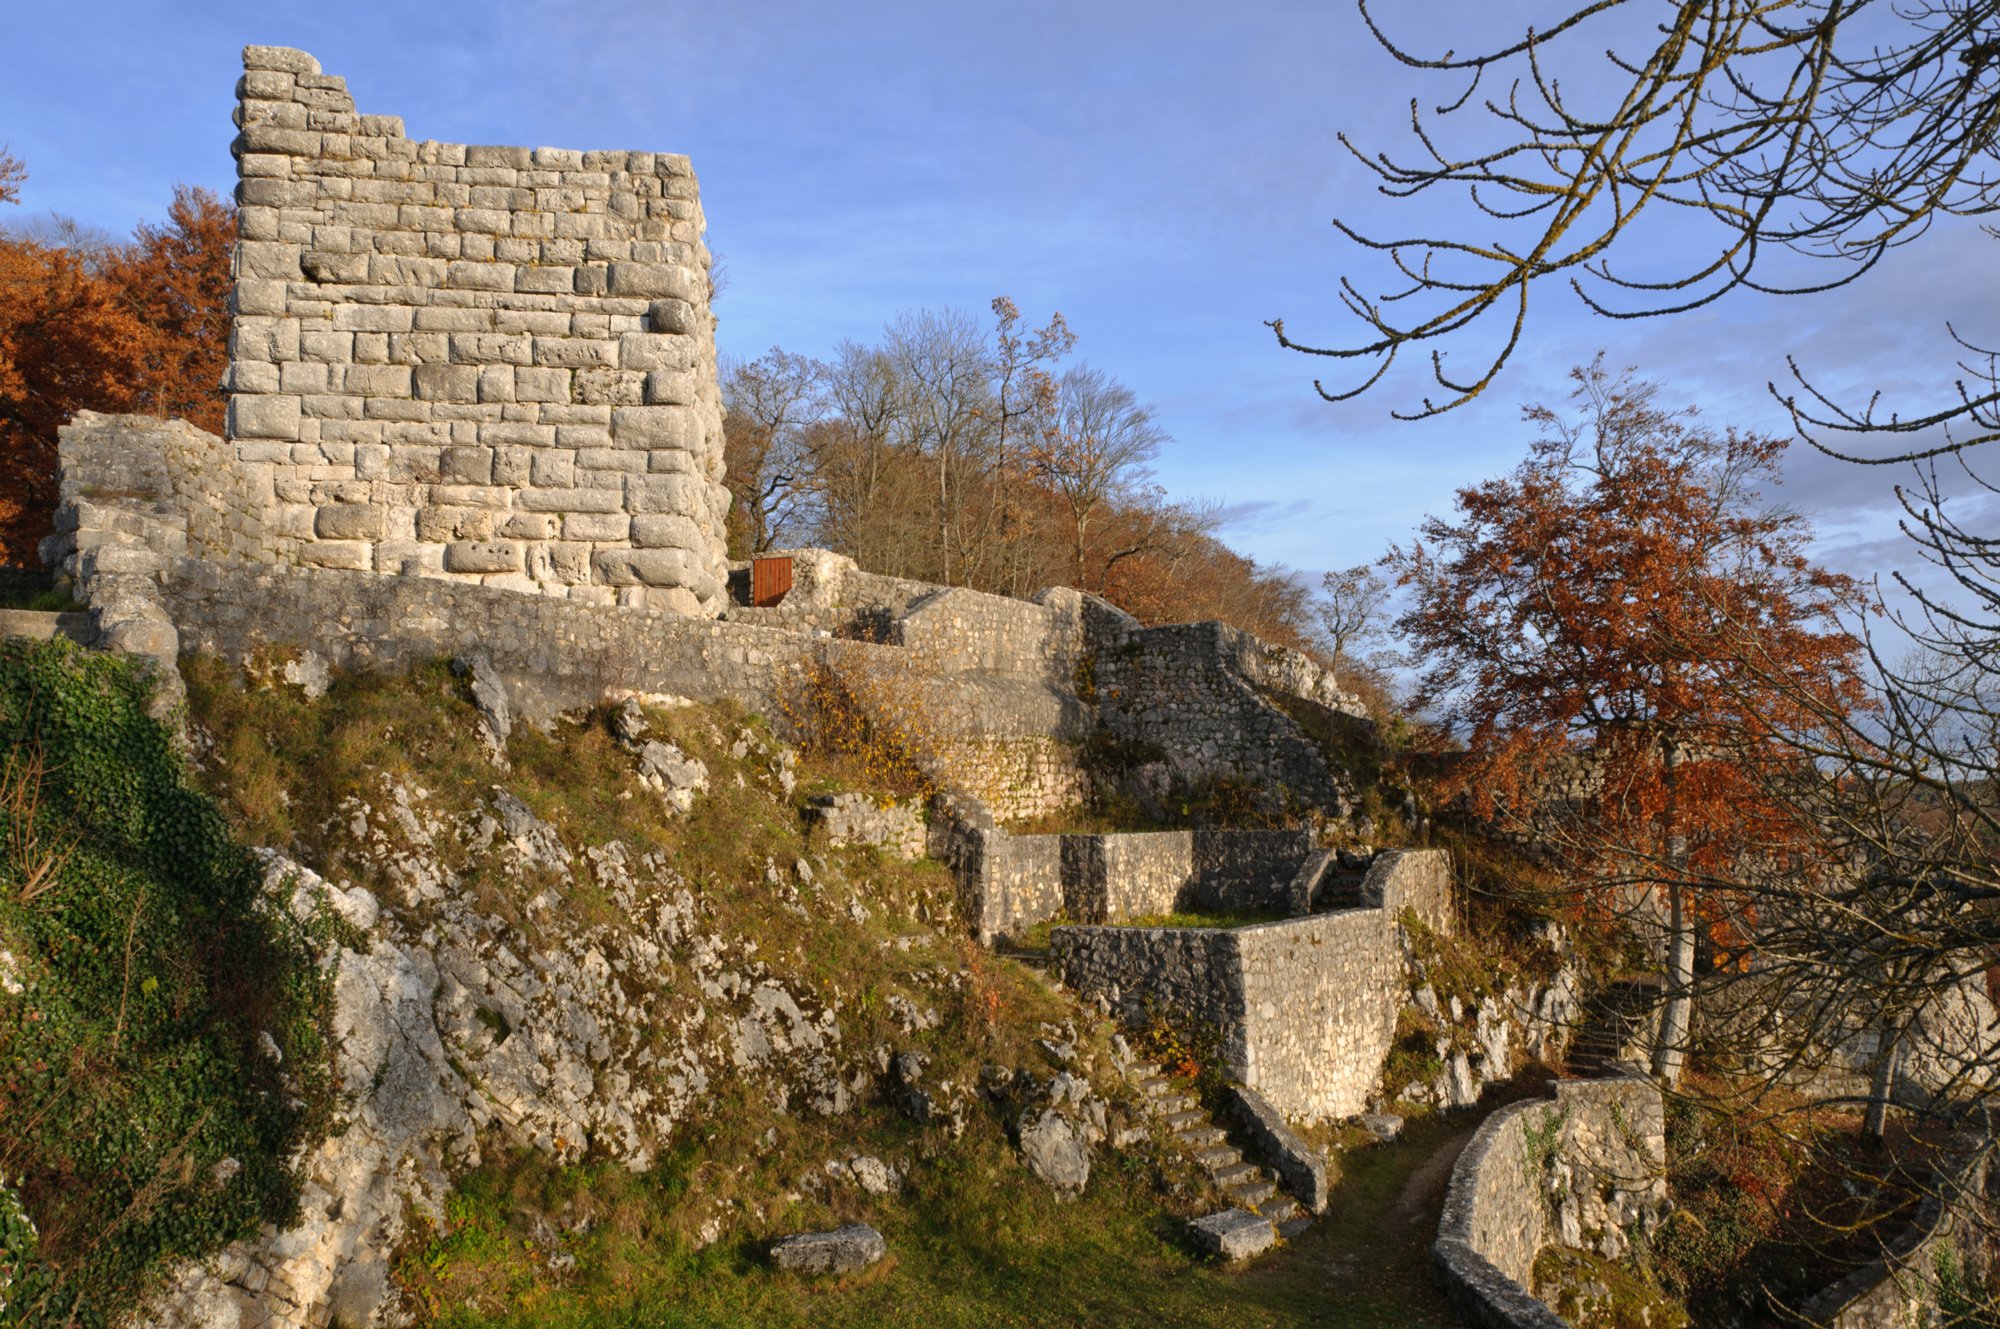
<point>161,1049</point>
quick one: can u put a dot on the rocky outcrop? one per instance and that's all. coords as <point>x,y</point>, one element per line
<point>454,1028</point>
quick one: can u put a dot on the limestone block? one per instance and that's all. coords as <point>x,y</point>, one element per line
<point>681,495</point>
<point>676,316</point>
<point>648,280</point>
<point>255,376</point>
<point>1234,1234</point>
<point>350,555</point>
<point>671,427</point>
<point>529,526</point>
<point>455,382</point>
<point>553,469</point>
<point>667,531</point>
<point>259,296</point>
<point>467,466</point>
<point>344,521</point>
<point>611,459</point>
<point>482,556</point>
<point>446,525</point>
<point>519,159</point>
<point>264,417</point>
<point>649,351</point>
<point>419,348</point>
<point>570,500</point>
<point>372,380</point>
<point>267,339</point>
<point>545,280</point>
<point>489,348</point>
<point>673,388</point>
<point>574,352</point>
<point>608,387</point>
<point>841,1251</point>
<point>596,526</point>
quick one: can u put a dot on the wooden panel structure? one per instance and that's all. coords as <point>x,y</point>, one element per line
<point>770,579</point>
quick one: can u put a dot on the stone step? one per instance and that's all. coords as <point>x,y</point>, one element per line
<point>1201,1137</point>
<point>1237,1173</point>
<point>1185,1117</point>
<point>1154,1085</point>
<point>1281,1209</point>
<point>1218,1156</point>
<point>1251,1194</point>
<point>42,625</point>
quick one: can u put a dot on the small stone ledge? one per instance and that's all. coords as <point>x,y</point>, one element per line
<point>1300,1168</point>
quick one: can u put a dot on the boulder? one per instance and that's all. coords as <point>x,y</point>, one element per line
<point>841,1251</point>
<point>1055,1151</point>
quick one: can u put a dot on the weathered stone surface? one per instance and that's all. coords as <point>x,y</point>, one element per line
<point>1382,1127</point>
<point>1054,1151</point>
<point>1306,1007</point>
<point>858,819</point>
<point>844,1250</point>
<point>1233,1234</point>
<point>405,313</point>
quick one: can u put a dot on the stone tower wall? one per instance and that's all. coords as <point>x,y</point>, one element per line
<point>486,364</point>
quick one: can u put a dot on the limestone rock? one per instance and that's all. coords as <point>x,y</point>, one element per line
<point>1055,1151</point>
<point>1233,1234</point>
<point>841,1251</point>
<point>1382,1127</point>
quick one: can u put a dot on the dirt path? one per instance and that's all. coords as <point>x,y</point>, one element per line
<point>1367,1263</point>
<point>1423,1190</point>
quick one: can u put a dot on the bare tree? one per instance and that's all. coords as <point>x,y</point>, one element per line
<point>1095,446</point>
<point>1834,129</point>
<point>1349,609</point>
<point>771,403</point>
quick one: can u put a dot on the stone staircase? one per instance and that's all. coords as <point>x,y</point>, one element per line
<point>1617,1019</point>
<point>1246,1184</point>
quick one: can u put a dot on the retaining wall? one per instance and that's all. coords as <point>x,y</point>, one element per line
<point>1010,882</point>
<point>1578,1169</point>
<point>1304,1009</point>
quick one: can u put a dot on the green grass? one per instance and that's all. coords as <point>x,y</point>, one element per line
<point>45,601</point>
<point>1195,918</point>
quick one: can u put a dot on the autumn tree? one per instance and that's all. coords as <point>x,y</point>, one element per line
<point>175,279</point>
<point>143,327</point>
<point>1587,623</point>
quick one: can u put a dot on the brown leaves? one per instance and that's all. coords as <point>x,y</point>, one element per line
<point>1621,597</point>
<point>145,331</point>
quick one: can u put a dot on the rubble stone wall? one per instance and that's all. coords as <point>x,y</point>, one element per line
<point>493,365</point>
<point>1304,1008</point>
<point>1579,1170</point>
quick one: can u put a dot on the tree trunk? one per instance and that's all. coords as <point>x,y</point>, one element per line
<point>1677,1017</point>
<point>1882,1086</point>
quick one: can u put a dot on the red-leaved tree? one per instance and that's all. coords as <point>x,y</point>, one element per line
<point>144,329</point>
<point>1629,641</point>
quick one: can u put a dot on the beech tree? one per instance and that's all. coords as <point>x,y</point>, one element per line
<point>1584,622</point>
<point>143,327</point>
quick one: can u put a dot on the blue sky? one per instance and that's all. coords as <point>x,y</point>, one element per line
<point>1161,173</point>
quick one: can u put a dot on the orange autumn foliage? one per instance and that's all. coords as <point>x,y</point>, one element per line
<point>1629,641</point>
<point>145,330</point>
